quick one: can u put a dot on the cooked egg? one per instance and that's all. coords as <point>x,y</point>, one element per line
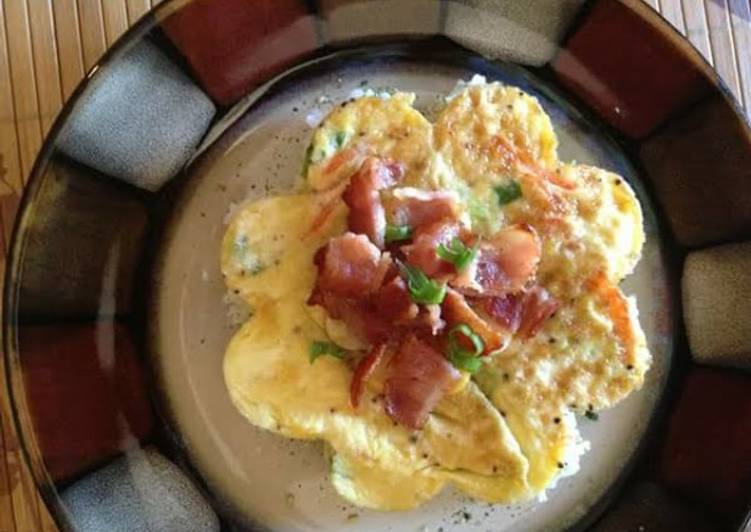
<point>478,128</point>
<point>267,248</point>
<point>585,358</point>
<point>508,433</point>
<point>386,127</point>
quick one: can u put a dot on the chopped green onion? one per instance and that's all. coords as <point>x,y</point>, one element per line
<point>422,288</point>
<point>397,233</point>
<point>508,192</point>
<point>466,363</point>
<point>457,253</point>
<point>465,330</point>
<point>339,138</point>
<point>319,348</point>
<point>460,357</point>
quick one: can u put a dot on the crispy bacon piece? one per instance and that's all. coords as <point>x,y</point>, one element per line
<point>360,317</point>
<point>537,307</point>
<point>422,251</point>
<point>362,196</point>
<point>455,310</point>
<point>415,207</point>
<point>363,371</point>
<point>393,302</point>
<point>523,313</point>
<point>351,266</point>
<point>506,311</point>
<point>507,260</point>
<point>419,376</point>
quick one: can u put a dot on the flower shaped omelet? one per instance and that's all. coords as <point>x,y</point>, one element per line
<point>438,301</point>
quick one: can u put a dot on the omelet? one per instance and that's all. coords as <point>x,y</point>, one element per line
<point>386,127</point>
<point>507,433</point>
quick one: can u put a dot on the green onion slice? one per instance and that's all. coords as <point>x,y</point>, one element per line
<point>422,288</point>
<point>397,233</point>
<point>466,331</point>
<point>458,355</point>
<point>466,363</point>
<point>319,348</point>
<point>509,192</point>
<point>340,138</point>
<point>457,253</point>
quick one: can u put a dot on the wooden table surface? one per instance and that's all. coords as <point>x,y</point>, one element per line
<point>46,46</point>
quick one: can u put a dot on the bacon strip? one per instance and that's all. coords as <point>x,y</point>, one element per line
<point>359,315</point>
<point>538,306</point>
<point>351,266</point>
<point>507,260</point>
<point>419,377</point>
<point>415,207</point>
<point>506,311</point>
<point>363,371</point>
<point>362,196</point>
<point>522,313</point>
<point>422,251</point>
<point>393,302</point>
<point>456,310</point>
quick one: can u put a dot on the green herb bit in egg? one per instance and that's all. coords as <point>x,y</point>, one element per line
<point>340,138</point>
<point>248,263</point>
<point>509,192</point>
<point>319,348</point>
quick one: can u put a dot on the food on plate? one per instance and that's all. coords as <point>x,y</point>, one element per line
<point>439,301</point>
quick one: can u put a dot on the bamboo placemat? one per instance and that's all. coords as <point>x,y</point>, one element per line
<point>46,46</point>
